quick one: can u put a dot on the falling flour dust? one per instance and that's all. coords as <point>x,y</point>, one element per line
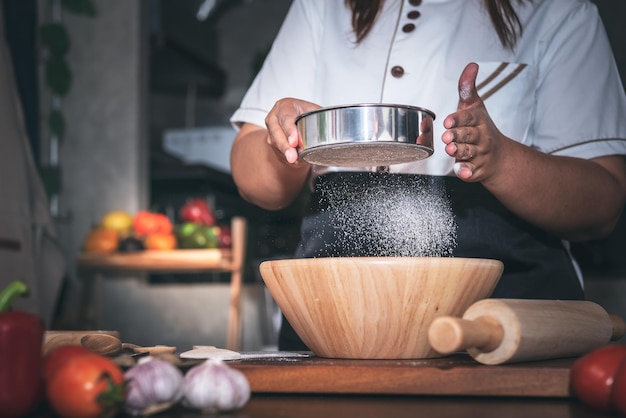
<point>388,215</point>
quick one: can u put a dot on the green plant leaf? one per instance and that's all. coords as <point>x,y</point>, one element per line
<point>54,37</point>
<point>51,179</point>
<point>84,7</point>
<point>56,123</point>
<point>58,75</point>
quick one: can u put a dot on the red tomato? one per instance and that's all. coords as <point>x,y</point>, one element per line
<point>146,222</point>
<point>86,386</point>
<point>59,355</point>
<point>618,394</point>
<point>592,376</point>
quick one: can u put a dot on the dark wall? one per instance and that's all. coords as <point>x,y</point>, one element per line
<point>613,14</point>
<point>606,257</point>
<point>20,20</point>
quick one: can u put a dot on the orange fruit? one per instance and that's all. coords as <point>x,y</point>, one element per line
<point>100,240</point>
<point>160,241</point>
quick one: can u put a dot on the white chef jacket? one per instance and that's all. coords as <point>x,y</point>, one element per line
<point>565,96</point>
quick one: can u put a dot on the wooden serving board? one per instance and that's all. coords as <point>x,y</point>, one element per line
<point>455,375</point>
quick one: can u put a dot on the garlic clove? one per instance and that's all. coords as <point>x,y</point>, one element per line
<point>153,386</point>
<point>213,386</point>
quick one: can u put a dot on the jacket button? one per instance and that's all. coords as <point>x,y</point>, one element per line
<point>397,71</point>
<point>413,14</point>
<point>415,2</point>
<point>409,27</point>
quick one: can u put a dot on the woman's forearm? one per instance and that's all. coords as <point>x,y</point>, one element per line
<point>261,176</point>
<point>574,198</point>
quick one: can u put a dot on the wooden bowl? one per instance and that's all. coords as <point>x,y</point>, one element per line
<point>375,307</point>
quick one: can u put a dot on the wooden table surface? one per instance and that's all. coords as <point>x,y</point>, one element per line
<point>386,406</point>
<point>380,406</point>
<point>454,387</point>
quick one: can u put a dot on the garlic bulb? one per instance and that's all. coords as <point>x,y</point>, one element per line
<point>212,386</point>
<point>153,386</point>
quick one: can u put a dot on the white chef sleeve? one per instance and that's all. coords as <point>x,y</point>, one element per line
<point>581,105</point>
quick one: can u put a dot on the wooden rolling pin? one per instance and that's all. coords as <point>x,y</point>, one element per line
<point>496,331</point>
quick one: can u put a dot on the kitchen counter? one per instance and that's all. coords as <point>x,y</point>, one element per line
<point>331,406</point>
<point>456,386</point>
<point>453,386</point>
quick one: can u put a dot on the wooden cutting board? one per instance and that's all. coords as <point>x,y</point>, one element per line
<point>455,375</point>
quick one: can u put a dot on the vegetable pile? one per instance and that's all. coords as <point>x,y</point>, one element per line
<point>82,384</point>
<point>194,228</point>
<point>598,379</point>
<point>198,228</point>
<point>119,231</point>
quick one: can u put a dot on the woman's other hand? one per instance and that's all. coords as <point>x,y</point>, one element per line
<point>574,198</point>
<point>471,137</point>
<point>284,136</point>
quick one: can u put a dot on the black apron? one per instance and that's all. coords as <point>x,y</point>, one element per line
<point>536,263</point>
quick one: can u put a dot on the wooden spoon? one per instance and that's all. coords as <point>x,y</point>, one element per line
<point>110,345</point>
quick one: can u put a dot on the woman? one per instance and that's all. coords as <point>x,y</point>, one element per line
<point>533,126</point>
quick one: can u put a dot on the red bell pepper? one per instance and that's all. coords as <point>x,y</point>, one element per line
<point>21,337</point>
<point>197,210</point>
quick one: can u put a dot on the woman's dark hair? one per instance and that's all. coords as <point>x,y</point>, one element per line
<point>502,14</point>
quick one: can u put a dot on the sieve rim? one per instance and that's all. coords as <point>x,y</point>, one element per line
<point>371,105</point>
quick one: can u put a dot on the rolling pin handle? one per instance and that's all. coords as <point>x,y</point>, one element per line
<point>448,334</point>
<point>619,327</point>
